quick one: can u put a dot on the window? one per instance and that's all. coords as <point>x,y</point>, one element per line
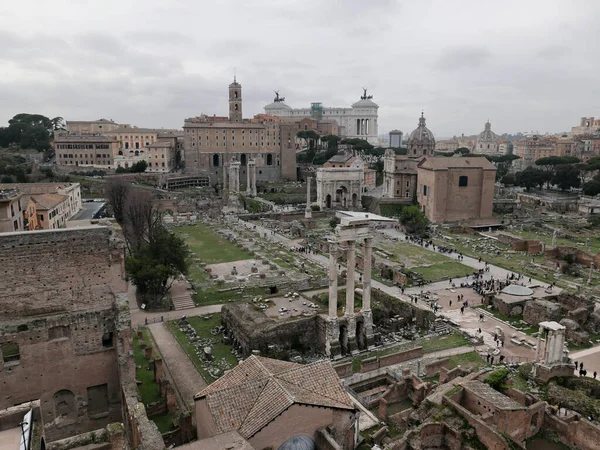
<point>10,352</point>
<point>235,106</point>
<point>463,181</point>
<point>216,160</point>
<point>58,332</point>
<point>424,191</point>
<point>97,399</point>
<point>407,184</point>
<point>269,159</point>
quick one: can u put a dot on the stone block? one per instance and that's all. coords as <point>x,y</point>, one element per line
<point>537,311</point>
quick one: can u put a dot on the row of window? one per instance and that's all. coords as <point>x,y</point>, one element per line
<point>207,131</point>
<point>82,146</point>
<point>71,155</point>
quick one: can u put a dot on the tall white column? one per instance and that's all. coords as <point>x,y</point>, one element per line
<point>350,271</point>
<point>248,186</point>
<point>225,180</point>
<point>308,210</point>
<point>333,279</point>
<point>367,249</point>
<point>538,349</point>
<point>254,193</point>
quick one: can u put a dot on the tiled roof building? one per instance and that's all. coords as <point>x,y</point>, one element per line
<point>269,401</point>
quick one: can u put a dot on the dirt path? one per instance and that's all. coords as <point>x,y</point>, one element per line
<point>186,377</point>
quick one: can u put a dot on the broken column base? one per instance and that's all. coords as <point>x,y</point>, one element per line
<point>333,348</point>
<point>542,373</point>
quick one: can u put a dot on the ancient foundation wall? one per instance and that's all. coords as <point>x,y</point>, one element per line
<point>55,271</point>
<point>575,431</point>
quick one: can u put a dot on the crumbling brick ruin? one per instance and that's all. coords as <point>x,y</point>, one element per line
<point>65,328</point>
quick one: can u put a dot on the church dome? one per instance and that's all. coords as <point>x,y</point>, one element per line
<point>487,134</point>
<point>298,443</point>
<point>421,133</point>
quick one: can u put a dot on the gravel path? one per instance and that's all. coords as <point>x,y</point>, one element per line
<point>186,377</point>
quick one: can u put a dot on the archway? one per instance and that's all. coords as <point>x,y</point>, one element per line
<point>216,160</point>
<point>340,195</point>
<point>344,339</point>
<point>269,159</point>
<point>328,201</point>
<point>360,335</point>
<point>243,159</point>
<point>64,404</point>
<point>354,200</point>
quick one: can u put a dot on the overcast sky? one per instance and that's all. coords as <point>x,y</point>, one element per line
<point>525,65</point>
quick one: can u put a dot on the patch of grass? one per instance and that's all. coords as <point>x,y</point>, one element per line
<point>453,391</point>
<point>453,340</point>
<point>164,422</point>
<point>208,245</point>
<point>203,327</point>
<point>450,269</point>
<point>470,360</point>
<point>149,390</point>
<point>519,383</point>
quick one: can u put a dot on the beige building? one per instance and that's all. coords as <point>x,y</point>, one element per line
<point>533,148</point>
<point>455,189</point>
<point>161,155</point>
<point>447,145</point>
<point>52,210</point>
<point>269,403</point>
<point>587,125</point>
<point>92,126</point>
<point>85,150</point>
<point>71,190</point>
<point>11,210</point>
<point>399,176</point>
<point>487,141</point>
<point>211,142</point>
<point>346,159</point>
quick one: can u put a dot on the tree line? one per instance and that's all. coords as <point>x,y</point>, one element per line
<point>30,131</point>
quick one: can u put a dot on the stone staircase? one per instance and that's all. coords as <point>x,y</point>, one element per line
<point>183,301</point>
<point>441,327</point>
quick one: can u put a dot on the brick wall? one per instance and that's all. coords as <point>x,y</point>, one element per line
<point>344,370</point>
<point>47,272</point>
<point>370,364</point>
<point>433,368</point>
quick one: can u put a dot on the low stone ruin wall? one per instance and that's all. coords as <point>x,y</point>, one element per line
<point>370,364</point>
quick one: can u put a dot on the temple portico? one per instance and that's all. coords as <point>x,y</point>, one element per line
<point>555,360</point>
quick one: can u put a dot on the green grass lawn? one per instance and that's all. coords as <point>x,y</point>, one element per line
<point>443,342</point>
<point>203,328</point>
<point>514,321</point>
<point>450,269</point>
<point>470,360</point>
<point>149,390</point>
<point>209,246</point>
<point>413,255</point>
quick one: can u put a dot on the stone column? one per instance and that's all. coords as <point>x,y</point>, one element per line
<point>308,211</point>
<point>254,193</point>
<point>333,280</point>
<point>225,169</point>
<point>350,278</point>
<point>367,250</point>
<point>248,186</point>
<point>591,272</point>
<point>539,344</point>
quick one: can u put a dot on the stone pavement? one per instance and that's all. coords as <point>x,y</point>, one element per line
<point>184,373</point>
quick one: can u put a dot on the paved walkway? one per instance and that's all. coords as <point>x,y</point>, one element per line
<point>184,373</point>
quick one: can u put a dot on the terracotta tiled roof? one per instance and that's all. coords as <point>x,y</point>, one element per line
<point>254,393</point>
<point>48,201</point>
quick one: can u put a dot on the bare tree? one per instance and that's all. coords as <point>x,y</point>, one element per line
<point>117,191</point>
<point>142,219</point>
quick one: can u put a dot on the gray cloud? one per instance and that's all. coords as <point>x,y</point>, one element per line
<point>463,58</point>
<point>143,63</point>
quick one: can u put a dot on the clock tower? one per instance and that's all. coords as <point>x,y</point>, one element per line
<point>235,101</point>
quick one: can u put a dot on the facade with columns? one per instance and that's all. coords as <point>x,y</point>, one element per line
<point>358,121</point>
<point>212,141</point>
<point>341,187</point>
<point>399,176</point>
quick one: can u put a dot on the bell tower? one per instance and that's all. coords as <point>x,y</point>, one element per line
<point>235,101</point>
